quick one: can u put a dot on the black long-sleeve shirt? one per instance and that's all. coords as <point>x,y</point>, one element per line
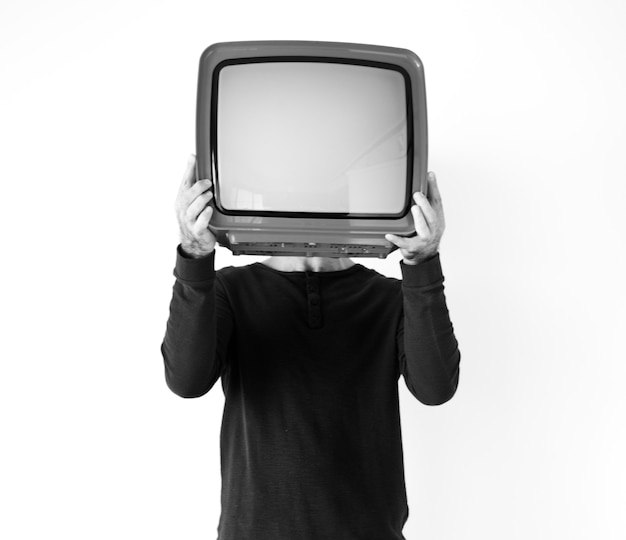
<point>311,445</point>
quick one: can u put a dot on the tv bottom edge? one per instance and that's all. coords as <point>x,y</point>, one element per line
<point>291,247</point>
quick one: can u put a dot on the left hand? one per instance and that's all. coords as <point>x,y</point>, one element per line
<point>429,226</point>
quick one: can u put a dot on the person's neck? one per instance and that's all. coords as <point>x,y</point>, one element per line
<point>308,264</point>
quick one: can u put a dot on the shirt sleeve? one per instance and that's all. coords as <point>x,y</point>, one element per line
<point>429,352</point>
<point>192,353</point>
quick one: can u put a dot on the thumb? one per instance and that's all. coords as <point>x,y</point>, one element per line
<point>190,173</point>
<point>398,241</point>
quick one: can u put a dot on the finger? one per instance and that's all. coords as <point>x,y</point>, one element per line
<point>190,173</point>
<point>398,241</point>
<point>429,212</point>
<point>204,218</point>
<point>198,205</point>
<point>434,196</point>
<point>421,226</point>
<point>435,200</point>
<point>198,188</point>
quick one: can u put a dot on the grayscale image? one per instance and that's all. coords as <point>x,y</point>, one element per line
<point>325,271</point>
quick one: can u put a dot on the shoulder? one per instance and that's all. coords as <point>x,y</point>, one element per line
<point>375,275</point>
<point>377,281</point>
<point>230,271</point>
<point>248,276</point>
<point>235,274</point>
<point>237,283</point>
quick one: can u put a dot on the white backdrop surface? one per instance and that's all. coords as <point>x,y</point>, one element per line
<point>527,134</point>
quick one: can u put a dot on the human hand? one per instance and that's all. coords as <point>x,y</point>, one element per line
<point>429,226</point>
<point>194,213</point>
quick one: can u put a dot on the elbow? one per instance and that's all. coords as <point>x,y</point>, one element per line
<point>440,396</point>
<point>185,390</point>
<point>185,383</point>
<point>438,393</point>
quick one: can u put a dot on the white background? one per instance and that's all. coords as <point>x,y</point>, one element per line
<point>527,136</point>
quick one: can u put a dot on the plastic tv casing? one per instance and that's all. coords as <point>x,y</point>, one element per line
<point>309,234</point>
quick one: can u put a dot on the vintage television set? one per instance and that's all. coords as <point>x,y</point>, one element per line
<point>314,148</point>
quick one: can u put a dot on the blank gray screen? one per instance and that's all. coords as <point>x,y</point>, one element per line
<point>311,137</point>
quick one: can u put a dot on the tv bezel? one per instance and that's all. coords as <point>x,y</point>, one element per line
<point>310,233</point>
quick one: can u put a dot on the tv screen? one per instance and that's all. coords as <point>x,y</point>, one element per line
<point>314,148</point>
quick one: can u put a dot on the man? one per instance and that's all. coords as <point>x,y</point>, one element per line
<point>310,351</point>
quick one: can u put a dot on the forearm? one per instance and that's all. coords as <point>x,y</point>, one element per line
<point>430,362</point>
<point>189,348</point>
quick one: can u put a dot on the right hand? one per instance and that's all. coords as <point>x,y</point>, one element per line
<point>194,213</point>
